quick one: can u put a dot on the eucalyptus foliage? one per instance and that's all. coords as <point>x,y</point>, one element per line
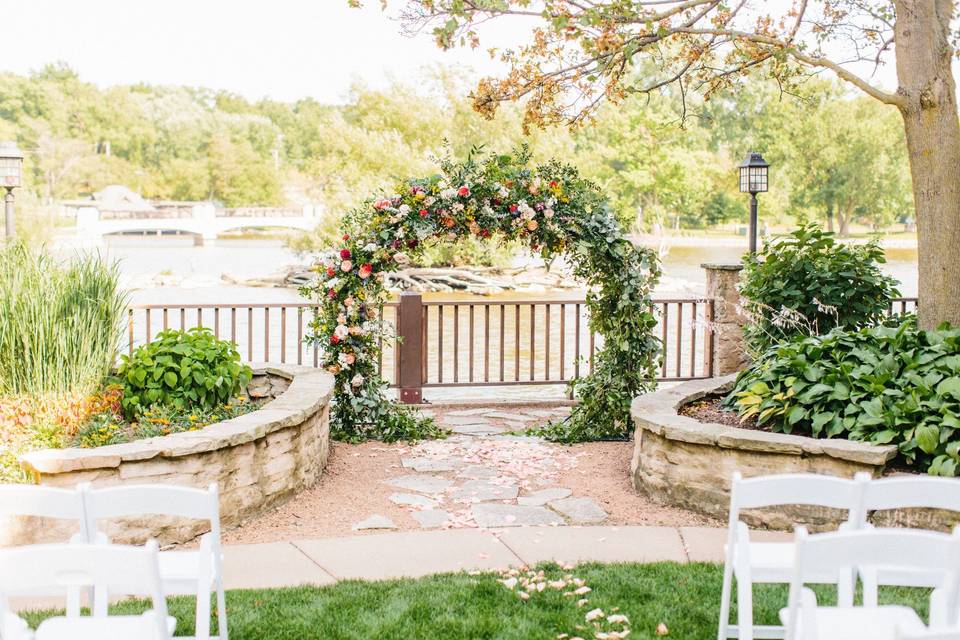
<point>182,369</point>
<point>548,208</point>
<point>808,283</point>
<point>60,322</point>
<point>884,385</point>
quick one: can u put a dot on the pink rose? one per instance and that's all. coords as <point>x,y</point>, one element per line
<point>346,266</point>
<point>365,271</point>
<point>350,358</point>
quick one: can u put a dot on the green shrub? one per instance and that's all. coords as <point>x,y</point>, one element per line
<point>60,324</point>
<point>884,385</point>
<point>182,369</point>
<point>808,283</point>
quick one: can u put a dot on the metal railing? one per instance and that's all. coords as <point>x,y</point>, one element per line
<point>449,343</point>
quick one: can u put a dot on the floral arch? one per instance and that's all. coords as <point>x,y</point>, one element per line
<point>551,209</point>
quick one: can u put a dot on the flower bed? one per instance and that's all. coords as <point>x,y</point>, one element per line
<point>258,460</point>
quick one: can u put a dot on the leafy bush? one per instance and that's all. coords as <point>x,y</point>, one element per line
<point>808,283</point>
<point>182,369</point>
<point>60,324</point>
<point>884,385</point>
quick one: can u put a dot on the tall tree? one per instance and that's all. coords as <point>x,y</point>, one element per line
<point>582,52</point>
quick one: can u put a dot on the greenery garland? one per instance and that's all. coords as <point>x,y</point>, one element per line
<point>551,209</point>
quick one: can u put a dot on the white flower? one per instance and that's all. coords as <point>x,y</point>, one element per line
<point>526,211</point>
<point>486,210</point>
<point>503,192</point>
<point>342,359</point>
<point>401,258</point>
<point>341,331</point>
<point>457,206</point>
<point>333,282</point>
<point>404,209</point>
<point>371,247</point>
<point>593,614</point>
<point>548,213</point>
<point>357,380</point>
<point>448,194</point>
<point>429,200</point>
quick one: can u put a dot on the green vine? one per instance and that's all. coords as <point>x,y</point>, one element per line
<point>550,209</point>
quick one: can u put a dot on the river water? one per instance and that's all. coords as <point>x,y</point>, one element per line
<point>198,275</point>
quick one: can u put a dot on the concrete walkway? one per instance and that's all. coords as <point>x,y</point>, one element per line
<point>419,553</point>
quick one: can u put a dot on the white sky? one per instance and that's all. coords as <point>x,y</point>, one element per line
<point>282,49</point>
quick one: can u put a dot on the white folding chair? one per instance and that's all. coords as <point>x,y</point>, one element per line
<point>836,552</point>
<point>904,493</point>
<point>56,504</point>
<point>181,572</point>
<point>936,634</point>
<point>772,562</point>
<point>118,570</point>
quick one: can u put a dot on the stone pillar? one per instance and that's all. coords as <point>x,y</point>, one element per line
<point>729,350</point>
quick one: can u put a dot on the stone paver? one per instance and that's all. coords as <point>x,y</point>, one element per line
<point>478,473</point>
<point>397,555</point>
<point>482,491</point>
<point>464,420</point>
<point>431,464</point>
<point>595,544</point>
<point>431,518</point>
<point>423,484</point>
<point>479,411</point>
<point>412,500</point>
<point>270,565</point>
<point>505,415</point>
<point>540,498</point>
<point>579,510</point>
<point>375,522</point>
<point>510,515</point>
<point>476,429</point>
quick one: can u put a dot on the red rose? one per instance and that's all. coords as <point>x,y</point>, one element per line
<point>513,208</point>
<point>334,340</point>
<point>332,293</point>
<point>424,213</point>
<point>330,272</point>
<point>346,236</point>
<point>345,254</point>
<point>366,270</point>
<point>463,192</point>
<point>554,184</point>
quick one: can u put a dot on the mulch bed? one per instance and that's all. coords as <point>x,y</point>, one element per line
<point>711,409</point>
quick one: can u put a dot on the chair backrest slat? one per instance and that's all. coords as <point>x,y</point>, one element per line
<point>44,502</point>
<point>912,492</point>
<point>135,500</point>
<point>796,488</point>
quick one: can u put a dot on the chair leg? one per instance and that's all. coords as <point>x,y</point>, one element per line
<point>221,611</point>
<point>870,588</point>
<point>724,626</point>
<point>744,609</point>
<point>203,615</point>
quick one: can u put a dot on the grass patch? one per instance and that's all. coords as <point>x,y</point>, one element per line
<point>684,597</point>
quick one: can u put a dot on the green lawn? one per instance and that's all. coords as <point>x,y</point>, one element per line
<point>453,606</point>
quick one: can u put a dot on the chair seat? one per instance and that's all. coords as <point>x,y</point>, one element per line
<point>108,628</point>
<point>179,571</point>
<point>860,623</point>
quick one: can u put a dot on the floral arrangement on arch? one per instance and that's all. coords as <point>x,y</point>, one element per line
<point>550,209</point>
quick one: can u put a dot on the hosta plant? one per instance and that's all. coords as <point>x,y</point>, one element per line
<point>182,369</point>
<point>883,384</point>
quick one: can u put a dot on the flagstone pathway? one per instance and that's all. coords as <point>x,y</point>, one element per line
<point>487,475</point>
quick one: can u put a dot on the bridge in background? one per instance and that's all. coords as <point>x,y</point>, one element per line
<point>203,220</point>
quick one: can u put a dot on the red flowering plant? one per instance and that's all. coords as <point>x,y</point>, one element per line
<point>550,209</point>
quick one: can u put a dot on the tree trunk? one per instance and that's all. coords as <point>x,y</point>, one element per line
<point>933,146</point>
<point>843,220</point>
<point>830,218</point>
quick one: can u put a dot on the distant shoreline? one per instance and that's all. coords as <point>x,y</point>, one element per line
<point>649,240</point>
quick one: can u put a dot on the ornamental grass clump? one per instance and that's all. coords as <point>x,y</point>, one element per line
<point>883,385</point>
<point>60,325</point>
<point>807,283</point>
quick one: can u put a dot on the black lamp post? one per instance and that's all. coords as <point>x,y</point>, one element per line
<point>11,177</point>
<point>753,180</point>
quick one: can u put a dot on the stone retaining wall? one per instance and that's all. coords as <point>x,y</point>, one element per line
<point>683,462</point>
<point>259,460</point>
